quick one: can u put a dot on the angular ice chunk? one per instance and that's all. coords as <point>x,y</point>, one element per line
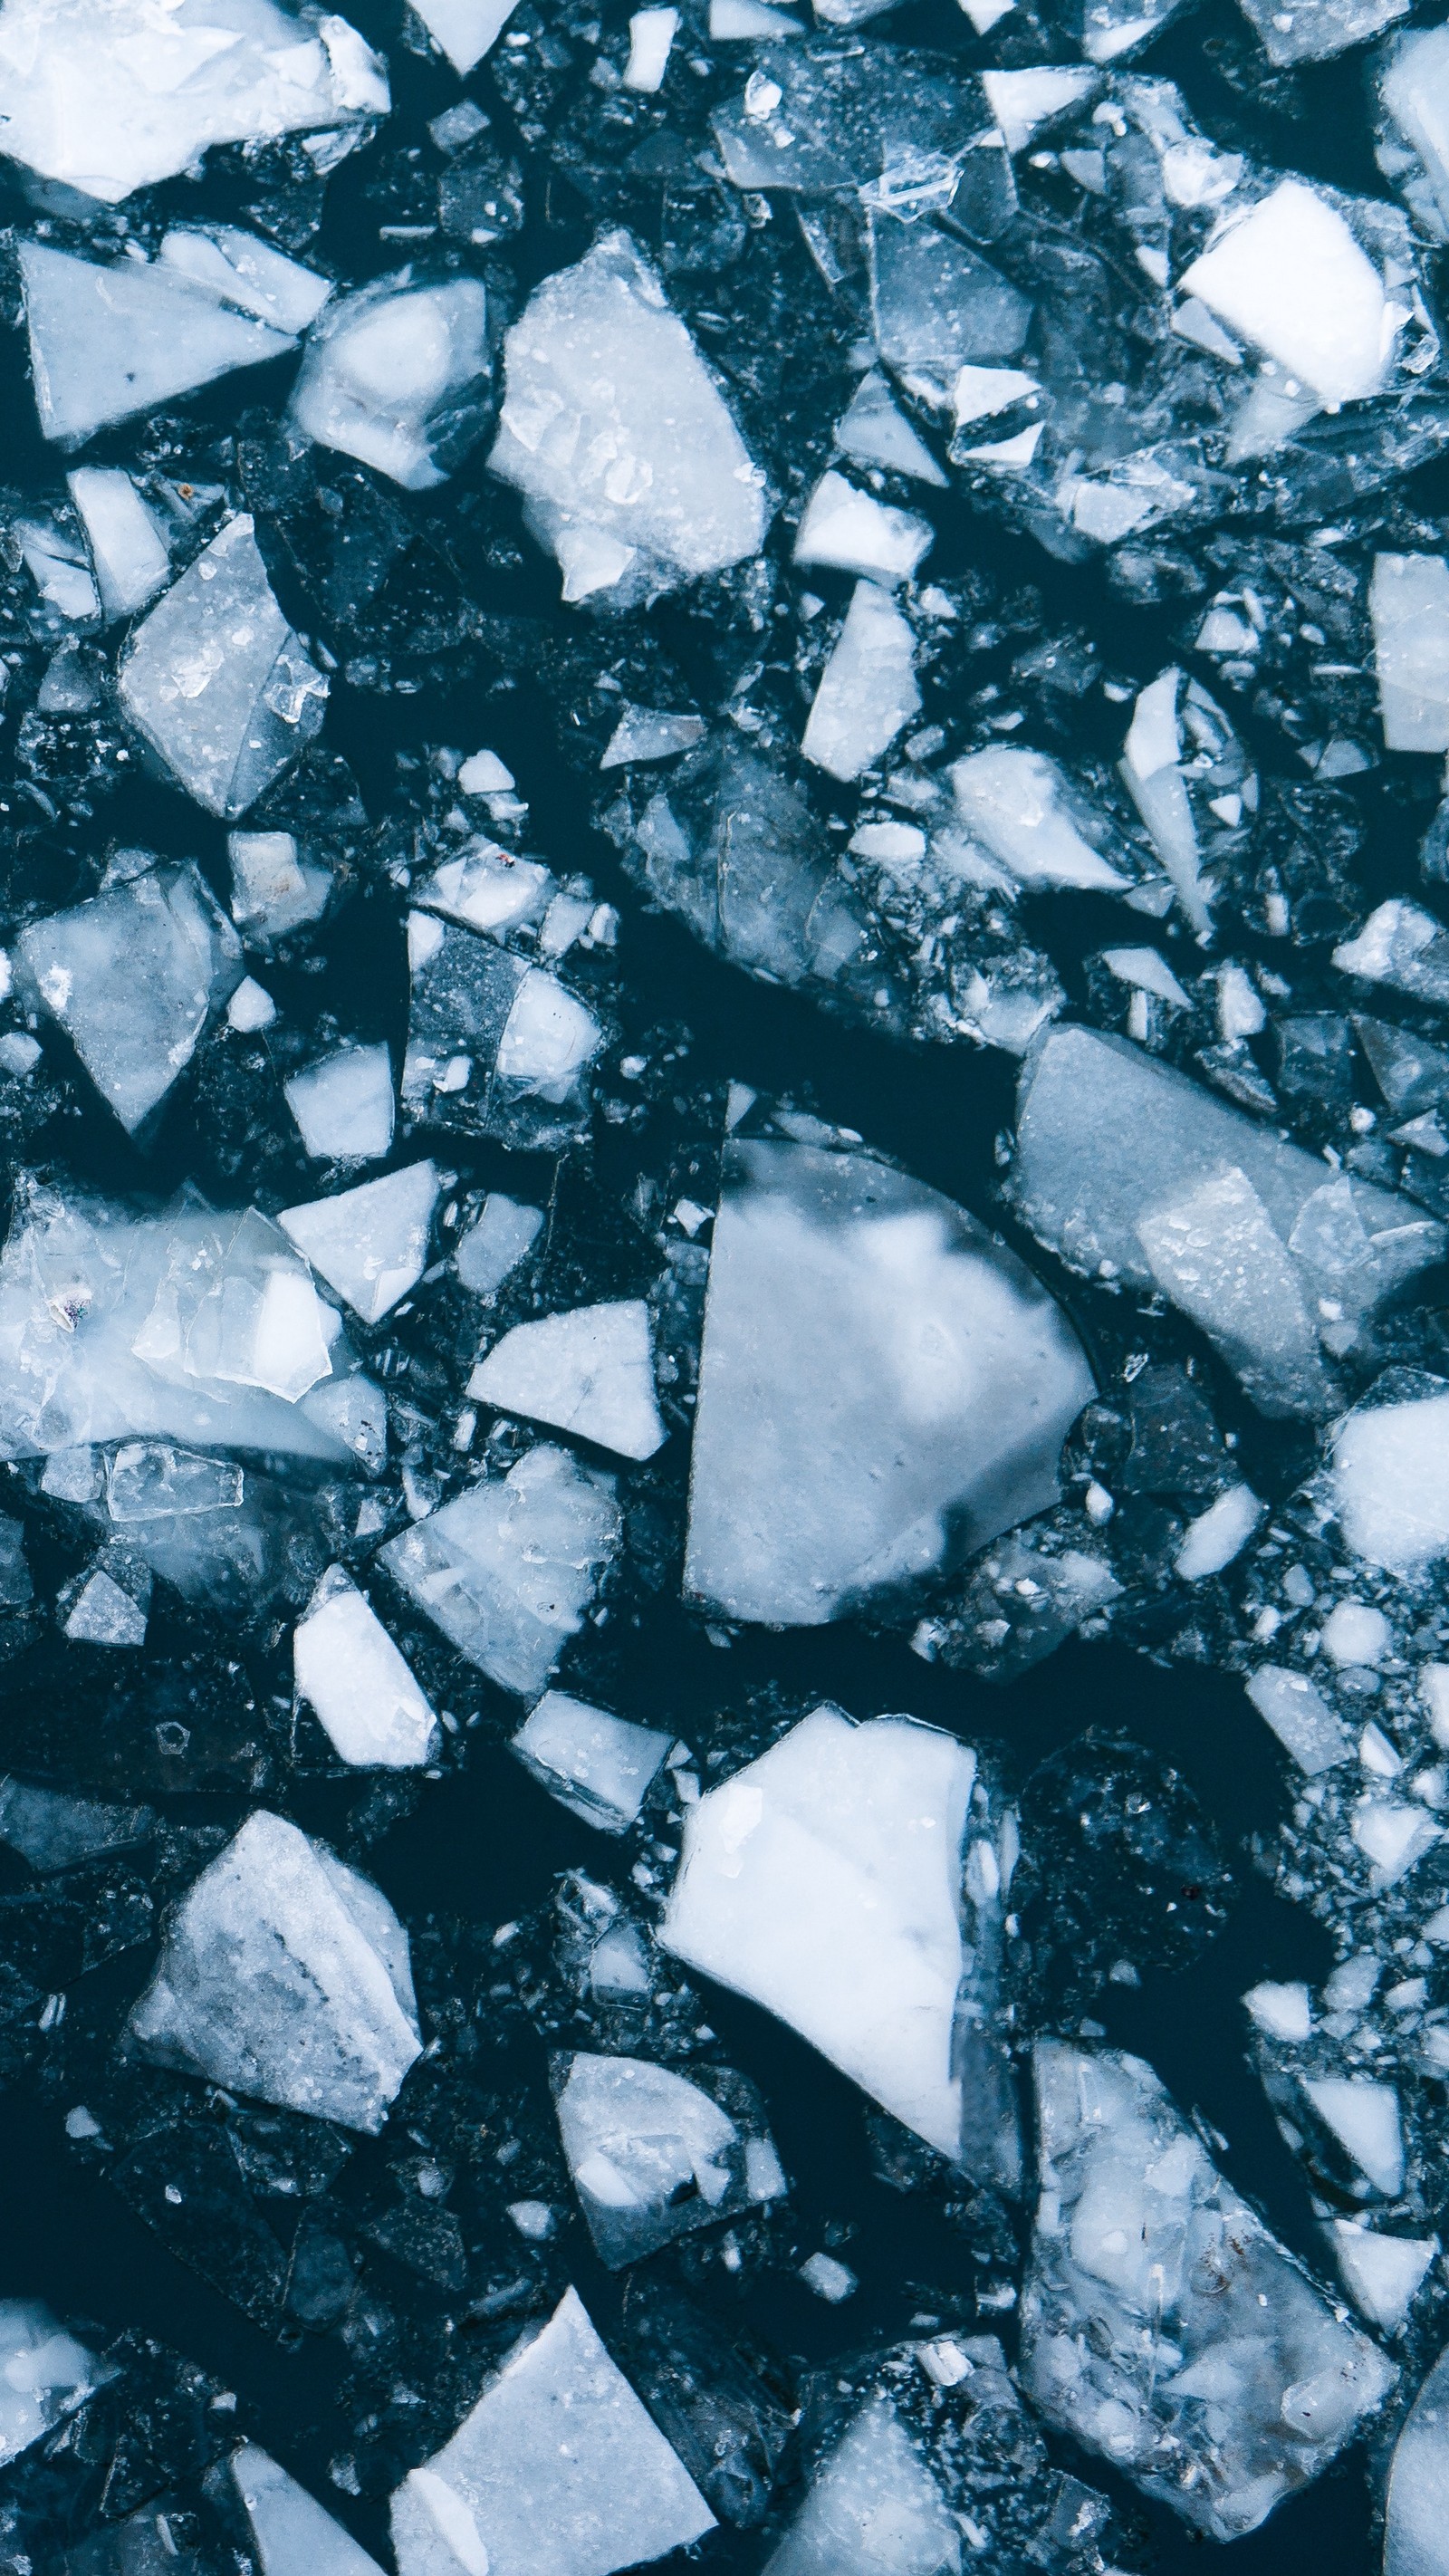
<point>1393,1839</point>
<point>44,2375</point>
<point>1391,1482</point>
<point>874,2506</point>
<point>1162,2325</point>
<point>465,30</point>
<point>509,1568</point>
<point>1022,102</point>
<point>1215,1251</point>
<point>1309,31</point>
<point>110,339</point>
<point>1416,2513</point>
<point>651,38</point>
<point>371,1243</point>
<point>394,375</point>
<point>274,889</point>
<point>873,431</point>
<point>135,978</point>
<point>112,95</point>
<point>648,733</point>
<point>1381,2273</point>
<point>1409,605</point>
<point>217,682</point>
<point>109,1602</point>
<point>653,2155</point>
<point>1401,946</point>
<point>937,304</point>
<point>590,1372</point>
<point>1301,1718</point>
<point>881,1382</point>
<point>557,2467</point>
<point>1289,276</point>
<point>1151,757</point>
<point>1217,1535</point>
<point>614,429</point>
<point>357,1685</point>
<point>1285,2012</point>
<point>53,1831</point>
<point>245,271</point>
<point>490,889</point>
<point>845,530</point>
<point>501,1235</point>
<point>495,1046</point>
<point>597,1766</point>
<point>1364,2117</point>
<point>128,550</point>
<point>1017,804</point>
<point>1414,152</point>
<point>824,1882</point>
<point>868,688</point>
<point>344,1105</point>
<point>285,1976</point>
<point>294,2534</point>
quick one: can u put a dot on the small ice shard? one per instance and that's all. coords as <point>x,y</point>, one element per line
<point>508,1569</point>
<point>285,1976</point>
<point>1414,150</point>
<point>653,2155</point>
<point>1216,1253</point>
<point>1309,31</point>
<point>1022,102</point>
<point>1301,1718</point>
<point>344,1105</point>
<point>1392,1837</point>
<point>874,431</point>
<point>1409,606</point>
<point>1018,805</point>
<point>824,1882</point>
<point>881,1383</point>
<point>395,375</point>
<point>651,40</point>
<point>294,2534</point>
<point>1217,1535</point>
<point>1416,2511</point>
<point>1382,2274</point>
<point>274,889</point>
<point>502,1234</point>
<point>1391,1481</point>
<point>44,2375</point>
<point>846,530</point>
<point>1364,2117</point>
<point>1284,2012</point>
<point>128,551</point>
<point>491,890</point>
<point>496,1046</point>
<point>135,978</point>
<point>109,1602</point>
<point>245,271</point>
<point>53,1831</point>
<point>107,96</point>
<point>650,733</point>
<point>617,434</point>
<point>873,2506</point>
<point>829,2279</point>
<point>465,30</point>
<point>371,1243</point>
<point>217,682</point>
<point>1162,2326</point>
<point>1401,946</point>
<point>1151,769</point>
<point>557,2465</point>
<point>597,1766</point>
<point>1289,276</point>
<point>590,1372</point>
<point>110,339</point>
<point>868,688</point>
<point>359,1688</point>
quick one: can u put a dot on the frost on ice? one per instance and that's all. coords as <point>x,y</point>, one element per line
<point>285,1976</point>
<point>653,2154</point>
<point>881,1382</point>
<point>371,1243</point>
<point>1162,2325</point>
<point>558,2465</point>
<point>590,1372</point>
<point>357,1685</point>
<point>614,430</point>
<point>397,375</point>
<point>44,2375</point>
<point>598,1766</point>
<point>873,2505</point>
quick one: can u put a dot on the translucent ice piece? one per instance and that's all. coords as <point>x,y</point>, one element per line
<point>294,2534</point>
<point>274,889</point>
<point>394,375</point>
<point>1017,804</point>
<point>597,1766</point>
<point>358,1686</point>
<point>846,530</point>
<point>653,2155</point>
<point>1290,277</point>
<point>1403,946</point>
<point>1309,31</point>
<point>1414,152</point>
<point>1416,2515</point>
<point>502,1234</point>
<point>1391,1482</point>
<point>371,1243</point>
<point>868,688</point>
<point>466,30</point>
<point>873,2505</point>
<point>111,339</point>
<point>1364,2117</point>
<point>1409,605</point>
<point>1301,1718</point>
<point>128,550</point>
<point>44,2375</point>
<point>344,1105</point>
<point>873,431</point>
<point>245,271</point>
<point>590,1372</point>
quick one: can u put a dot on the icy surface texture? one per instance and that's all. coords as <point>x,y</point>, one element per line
<point>509,1569</point>
<point>45,2373</point>
<point>294,2534</point>
<point>371,1243</point>
<point>396,376</point>
<point>653,2155</point>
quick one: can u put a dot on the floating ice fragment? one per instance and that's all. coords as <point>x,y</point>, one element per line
<point>274,889</point>
<point>344,1105</point>
<point>1382,2274</point>
<point>1355,1633</point>
<point>114,338</point>
<point>590,1372</point>
<point>868,688</point>
<point>597,1766</point>
<point>1391,1481</point>
<point>646,733</point>
<point>109,1602</point>
<point>357,1685</point>
<point>873,2506</point>
<point>285,1976</point>
<point>44,2375</point>
<point>466,30</point>
<point>873,431</point>
<point>1300,1717</point>
<point>1151,768</point>
<point>1416,2513</point>
<point>937,304</point>
<point>1409,605</point>
<point>1289,276</point>
<point>651,37</point>
<point>1414,150</point>
<point>1018,805</point>
<point>501,1236</point>
<point>830,2280</point>
<point>653,2155</point>
<point>294,2534</point>
<point>496,1047</point>
<point>845,530</point>
<point>1364,2117</point>
<point>1283,2011</point>
<point>1402,946</point>
<point>396,376</point>
<point>1219,1534</point>
<point>128,550</point>
<point>557,2465</point>
<point>1309,31</point>
<point>371,1243</point>
<point>1393,1839</point>
<point>823,1881</point>
<point>53,1831</point>
<point>247,272</point>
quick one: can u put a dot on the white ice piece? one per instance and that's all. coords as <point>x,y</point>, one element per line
<point>1151,770</point>
<point>557,2463</point>
<point>868,688</point>
<point>1391,1482</point>
<point>1364,2117</point>
<point>1290,277</point>
<point>824,1882</point>
<point>1382,2274</point>
<point>590,1372</point>
<point>874,431</point>
<point>1015,803</point>
<point>371,1243</point>
<point>1413,89</point>
<point>1403,946</point>
<point>616,433</point>
<point>1217,1535</point>
<point>275,890</point>
<point>1284,2012</point>
<point>1409,606</point>
<point>112,338</point>
<point>651,38</point>
<point>44,2375</point>
<point>881,1381</point>
<point>596,1765</point>
<point>465,30</point>
<point>285,1976</point>
<point>1300,1717</point>
<point>1392,1837</point>
<point>1024,101</point>
<point>873,2507</point>
<point>388,371</point>
<point>101,1610</point>
<point>294,2534</point>
<point>846,530</point>
<point>128,550</point>
<point>1355,1633</point>
<point>344,1105</point>
<point>651,733</point>
<point>357,1685</point>
<point>251,1007</point>
<point>503,1233</point>
<point>653,2155</point>
<point>1416,2515</point>
<point>247,272</point>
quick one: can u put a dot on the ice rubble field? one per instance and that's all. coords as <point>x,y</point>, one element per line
<point>724,1344</point>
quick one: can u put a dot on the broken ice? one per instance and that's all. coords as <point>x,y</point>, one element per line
<point>44,2375</point>
<point>395,375</point>
<point>371,1243</point>
<point>294,2534</point>
<point>108,340</point>
<point>357,1685</point>
<point>590,1372</point>
<point>653,2154</point>
<point>596,1765</point>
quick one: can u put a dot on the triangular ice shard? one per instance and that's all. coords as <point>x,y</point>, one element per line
<point>294,2534</point>
<point>109,339</point>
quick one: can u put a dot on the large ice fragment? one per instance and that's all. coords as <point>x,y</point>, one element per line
<point>128,551</point>
<point>135,978</point>
<point>111,95</point>
<point>881,1383</point>
<point>1301,1718</point>
<point>111,339</point>
<point>294,2534</point>
<point>596,1765</point>
<point>1289,277</point>
<point>1019,806</point>
<point>358,1686</point>
<point>285,1975</point>
<point>1416,2511</point>
<point>217,682</point>
<point>557,2465</point>
<point>868,688</point>
<point>654,2155</point>
<point>509,1568</point>
<point>1391,1480</point>
<point>395,375</point>
<point>616,433</point>
<point>824,1882</point>
<point>371,1243</point>
<point>44,2375</point>
<point>1409,605</point>
<point>590,1372</point>
<point>873,2506</point>
<point>1162,2325</point>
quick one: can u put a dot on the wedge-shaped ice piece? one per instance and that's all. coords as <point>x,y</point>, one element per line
<point>1364,2118</point>
<point>846,530</point>
<point>53,1831</point>
<point>1152,774</point>
<point>1309,31</point>
<point>465,30</point>
<point>275,890</point>
<point>344,1105</point>
<point>558,2468</point>
<point>490,889</point>
<point>1391,1480</point>
<point>217,682</point>
<point>617,434</point>
<point>873,2506</point>
<point>1019,806</point>
<point>294,2534</point>
<point>44,2375</point>
<point>1403,947</point>
<point>359,1688</point>
<point>597,1766</point>
<point>873,431</point>
<point>496,1047</point>
<point>1382,2274</point>
<point>1301,1718</point>
<point>881,1383</point>
<point>868,688</point>
<point>371,1243</point>
<point>285,1976</point>
<point>1215,1252</point>
<point>1416,2512</point>
<point>111,95</point>
<point>395,376</point>
<point>653,2155</point>
<point>135,978</point>
<point>109,339</point>
<point>937,304</point>
<point>108,1603</point>
<point>824,1882</point>
<point>503,1232</point>
<point>1162,2325</point>
<point>128,550</point>
<point>1409,605</point>
<point>245,271</point>
<point>1290,278</point>
<point>1414,149</point>
<point>649,733</point>
<point>590,1372</point>
<point>509,1568</point>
